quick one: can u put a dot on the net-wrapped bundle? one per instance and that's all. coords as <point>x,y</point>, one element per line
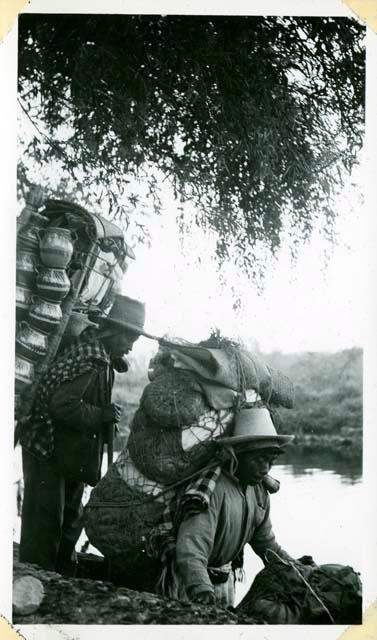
<point>122,511</point>
<point>191,400</point>
<point>172,436</point>
<point>174,398</point>
<point>280,392</point>
<point>286,594</point>
<point>169,454</point>
<point>173,430</point>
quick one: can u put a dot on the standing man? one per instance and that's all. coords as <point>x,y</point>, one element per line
<point>235,511</point>
<point>62,445</point>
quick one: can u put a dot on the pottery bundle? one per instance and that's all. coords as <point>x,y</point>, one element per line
<point>70,263</point>
<point>42,283</point>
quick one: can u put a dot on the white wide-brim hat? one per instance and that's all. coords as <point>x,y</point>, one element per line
<point>253,426</point>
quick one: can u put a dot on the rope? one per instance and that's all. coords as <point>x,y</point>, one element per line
<point>220,458</point>
<point>176,408</point>
<point>148,499</point>
<point>233,351</point>
<point>314,594</point>
<point>227,453</point>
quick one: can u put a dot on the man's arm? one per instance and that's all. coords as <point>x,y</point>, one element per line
<point>194,546</point>
<point>264,539</point>
<point>67,404</point>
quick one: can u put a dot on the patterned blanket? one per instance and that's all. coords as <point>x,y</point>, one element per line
<point>85,354</point>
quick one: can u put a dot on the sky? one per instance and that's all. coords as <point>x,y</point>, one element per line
<point>312,305</point>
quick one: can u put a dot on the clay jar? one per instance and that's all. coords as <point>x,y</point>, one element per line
<point>52,284</point>
<point>17,403</point>
<point>45,315</point>
<point>30,342</point>
<point>28,234</point>
<point>56,247</point>
<point>24,373</point>
<point>23,301</point>
<point>26,263</point>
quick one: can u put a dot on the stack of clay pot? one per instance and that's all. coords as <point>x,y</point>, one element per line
<point>43,254</point>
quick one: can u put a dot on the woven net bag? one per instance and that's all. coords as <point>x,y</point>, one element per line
<point>246,369</point>
<point>282,391</point>
<point>174,398</point>
<point>120,513</point>
<point>168,455</point>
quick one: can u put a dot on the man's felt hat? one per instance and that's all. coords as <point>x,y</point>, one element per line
<point>254,429</point>
<point>127,313</point>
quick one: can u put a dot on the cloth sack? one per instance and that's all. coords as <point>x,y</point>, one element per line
<point>280,595</point>
<point>228,368</point>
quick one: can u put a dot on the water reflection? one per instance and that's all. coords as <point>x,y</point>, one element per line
<point>349,470</point>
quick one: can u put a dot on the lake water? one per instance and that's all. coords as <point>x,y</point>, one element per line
<point>317,512</point>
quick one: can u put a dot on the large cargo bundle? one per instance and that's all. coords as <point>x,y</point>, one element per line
<point>126,508</point>
<point>173,437</point>
<point>69,264</point>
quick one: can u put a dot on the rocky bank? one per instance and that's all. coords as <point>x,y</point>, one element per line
<point>88,601</point>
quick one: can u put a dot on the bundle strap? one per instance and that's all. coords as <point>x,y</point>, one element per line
<point>152,498</point>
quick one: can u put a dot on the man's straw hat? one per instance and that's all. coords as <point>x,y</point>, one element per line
<point>255,429</point>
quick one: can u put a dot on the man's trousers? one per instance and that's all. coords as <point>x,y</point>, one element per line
<point>51,516</point>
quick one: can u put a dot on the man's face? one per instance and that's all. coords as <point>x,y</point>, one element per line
<point>254,465</point>
<point>121,343</point>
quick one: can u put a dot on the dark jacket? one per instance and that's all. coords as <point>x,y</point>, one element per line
<point>79,430</point>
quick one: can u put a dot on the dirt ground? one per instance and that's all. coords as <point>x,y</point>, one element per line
<point>87,601</point>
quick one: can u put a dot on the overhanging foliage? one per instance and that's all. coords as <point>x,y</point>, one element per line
<point>255,120</point>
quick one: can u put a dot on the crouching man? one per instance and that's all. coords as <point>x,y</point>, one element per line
<point>237,512</point>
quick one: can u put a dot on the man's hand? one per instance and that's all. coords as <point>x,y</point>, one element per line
<point>306,560</point>
<point>204,597</point>
<point>111,413</point>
